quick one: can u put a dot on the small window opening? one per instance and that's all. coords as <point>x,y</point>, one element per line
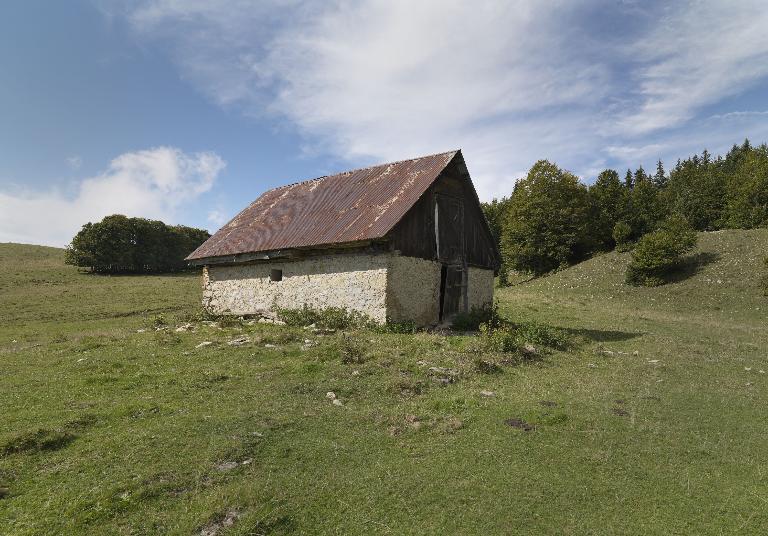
<point>275,274</point>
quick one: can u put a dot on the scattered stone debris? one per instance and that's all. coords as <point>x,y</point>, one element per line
<point>257,434</point>
<point>275,321</point>
<point>620,412</point>
<point>239,341</point>
<point>185,327</point>
<point>520,424</point>
<point>761,371</point>
<point>330,395</point>
<point>548,403</point>
<point>204,344</point>
<point>226,466</point>
<point>81,360</point>
<point>161,328</point>
<point>355,373</point>
<point>337,402</point>
<point>422,363</point>
<point>530,349</point>
<point>137,331</point>
<point>247,461</point>
<point>270,346</point>
<point>747,368</point>
<point>606,352</point>
<point>635,353</point>
<point>591,365</point>
<point>212,529</point>
<point>487,394</point>
<point>653,361</point>
<point>323,331</point>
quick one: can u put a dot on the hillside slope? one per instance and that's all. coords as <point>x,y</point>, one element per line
<point>651,422</point>
<point>719,286</point>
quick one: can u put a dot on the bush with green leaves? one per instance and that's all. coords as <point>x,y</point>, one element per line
<point>659,253</point>
<point>472,319</point>
<point>622,236</point>
<point>514,338</point>
<point>326,317</point>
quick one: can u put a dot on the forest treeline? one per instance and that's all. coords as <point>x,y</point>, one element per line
<point>553,220</point>
<point>118,244</point>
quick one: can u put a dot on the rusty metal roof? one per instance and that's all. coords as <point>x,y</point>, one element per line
<point>362,204</point>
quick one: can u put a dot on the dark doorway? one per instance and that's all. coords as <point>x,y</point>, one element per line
<point>450,291</point>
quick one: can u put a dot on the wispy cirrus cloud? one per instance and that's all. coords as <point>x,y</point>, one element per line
<point>586,84</point>
<point>152,183</point>
<point>699,53</point>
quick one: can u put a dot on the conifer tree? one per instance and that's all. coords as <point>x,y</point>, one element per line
<point>660,178</point>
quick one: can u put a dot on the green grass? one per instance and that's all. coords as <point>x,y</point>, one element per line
<point>649,423</point>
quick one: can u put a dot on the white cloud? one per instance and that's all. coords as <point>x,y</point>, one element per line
<point>152,183</point>
<point>508,82</point>
<point>217,218</point>
<point>699,53</point>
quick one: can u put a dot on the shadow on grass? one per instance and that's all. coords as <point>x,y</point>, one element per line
<point>600,335</point>
<point>692,265</point>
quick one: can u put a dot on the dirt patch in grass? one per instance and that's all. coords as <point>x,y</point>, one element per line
<point>519,424</point>
<point>620,412</point>
<point>38,440</point>
<point>548,403</point>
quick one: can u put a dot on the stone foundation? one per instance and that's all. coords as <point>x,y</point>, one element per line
<point>382,286</point>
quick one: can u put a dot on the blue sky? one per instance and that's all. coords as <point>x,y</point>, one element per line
<point>187,110</point>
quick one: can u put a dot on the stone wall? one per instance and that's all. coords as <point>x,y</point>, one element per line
<point>382,286</point>
<point>413,290</point>
<point>479,287</point>
<point>356,281</point>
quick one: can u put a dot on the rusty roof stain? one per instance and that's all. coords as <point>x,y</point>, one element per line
<point>363,204</point>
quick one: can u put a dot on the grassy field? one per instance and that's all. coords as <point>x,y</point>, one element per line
<point>653,422</point>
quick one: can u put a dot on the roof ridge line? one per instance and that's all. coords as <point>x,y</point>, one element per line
<point>350,171</point>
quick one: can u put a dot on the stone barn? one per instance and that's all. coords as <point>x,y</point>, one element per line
<point>405,241</point>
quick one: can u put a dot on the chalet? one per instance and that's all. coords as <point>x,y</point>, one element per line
<point>400,241</point>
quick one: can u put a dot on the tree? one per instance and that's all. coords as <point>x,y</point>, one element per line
<point>628,181</point>
<point>494,215</point>
<point>495,212</point>
<point>609,197</point>
<point>548,221</point>
<point>120,244</point>
<point>660,177</point>
<point>696,190</point>
<point>640,176</point>
<point>646,210</point>
<point>747,189</point>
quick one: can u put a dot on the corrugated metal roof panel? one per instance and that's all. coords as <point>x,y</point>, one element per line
<point>363,204</point>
